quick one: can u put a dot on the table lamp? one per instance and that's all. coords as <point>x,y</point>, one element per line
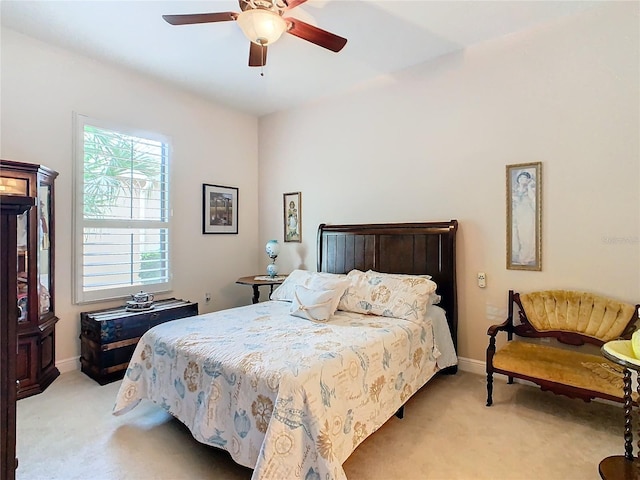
<point>273,249</point>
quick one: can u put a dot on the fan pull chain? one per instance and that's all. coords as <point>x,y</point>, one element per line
<point>262,62</point>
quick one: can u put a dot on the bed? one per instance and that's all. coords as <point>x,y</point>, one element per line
<point>291,395</point>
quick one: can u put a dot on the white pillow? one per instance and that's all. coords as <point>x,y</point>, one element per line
<point>329,281</point>
<point>313,280</point>
<point>285,290</point>
<point>316,305</point>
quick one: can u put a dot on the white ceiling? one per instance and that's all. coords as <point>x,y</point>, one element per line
<point>211,59</point>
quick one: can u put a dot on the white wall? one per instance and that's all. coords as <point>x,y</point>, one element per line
<point>429,143</point>
<point>42,86</point>
<point>432,142</point>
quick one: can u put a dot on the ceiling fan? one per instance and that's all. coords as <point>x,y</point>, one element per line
<point>262,22</point>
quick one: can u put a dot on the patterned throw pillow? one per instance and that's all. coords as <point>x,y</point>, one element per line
<point>434,298</point>
<point>387,295</point>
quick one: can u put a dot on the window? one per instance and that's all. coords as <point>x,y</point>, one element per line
<point>121,211</point>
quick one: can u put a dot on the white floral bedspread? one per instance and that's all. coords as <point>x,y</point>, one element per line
<point>285,396</point>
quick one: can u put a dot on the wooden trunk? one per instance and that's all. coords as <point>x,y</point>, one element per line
<point>109,337</point>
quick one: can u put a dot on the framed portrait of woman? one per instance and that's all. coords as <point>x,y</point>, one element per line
<point>524,216</point>
<point>293,217</point>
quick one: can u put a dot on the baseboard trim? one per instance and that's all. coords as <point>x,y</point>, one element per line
<point>473,366</point>
<point>68,365</point>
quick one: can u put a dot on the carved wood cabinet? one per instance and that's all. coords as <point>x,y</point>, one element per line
<point>35,363</point>
<point>11,205</point>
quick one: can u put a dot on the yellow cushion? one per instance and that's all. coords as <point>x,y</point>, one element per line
<point>568,367</point>
<point>580,312</point>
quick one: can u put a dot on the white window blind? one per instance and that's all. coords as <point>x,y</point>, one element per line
<point>121,214</point>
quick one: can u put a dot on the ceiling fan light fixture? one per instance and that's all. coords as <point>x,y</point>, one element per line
<point>261,26</point>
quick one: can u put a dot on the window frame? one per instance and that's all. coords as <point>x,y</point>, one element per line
<point>79,222</point>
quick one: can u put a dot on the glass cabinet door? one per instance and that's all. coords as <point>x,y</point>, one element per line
<point>42,215</point>
<point>23,267</point>
<point>44,250</point>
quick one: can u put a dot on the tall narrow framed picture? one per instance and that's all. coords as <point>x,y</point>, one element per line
<point>292,217</point>
<point>524,216</point>
<point>219,209</point>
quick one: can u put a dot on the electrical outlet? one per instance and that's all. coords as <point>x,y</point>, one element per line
<point>207,297</point>
<point>482,280</point>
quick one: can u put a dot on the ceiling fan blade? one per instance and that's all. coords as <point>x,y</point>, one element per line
<point>316,35</point>
<point>191,18</point>
<point>257,55</point>
<point>292,3</point>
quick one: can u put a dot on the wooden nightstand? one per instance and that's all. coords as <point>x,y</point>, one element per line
<point>256,281</point>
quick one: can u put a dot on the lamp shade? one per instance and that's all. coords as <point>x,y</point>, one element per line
<point>261,26</point>
<point>272,248</point>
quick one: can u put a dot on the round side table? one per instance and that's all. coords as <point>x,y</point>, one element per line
<point>256,281</point>
<point>623,467</point>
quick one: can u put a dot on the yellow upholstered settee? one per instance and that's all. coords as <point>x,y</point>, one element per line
<point>571,318</point>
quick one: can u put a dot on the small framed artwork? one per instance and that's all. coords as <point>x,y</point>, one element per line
<point>293,217</point>
<point>524,216</point>
<point>219,209</point>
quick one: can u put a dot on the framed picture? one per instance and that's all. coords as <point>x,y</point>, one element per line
<point>219,209</point>
<point>524,216</point>
<point>293,217</point>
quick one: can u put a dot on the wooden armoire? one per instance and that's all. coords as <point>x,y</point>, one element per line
<point>34,275</point>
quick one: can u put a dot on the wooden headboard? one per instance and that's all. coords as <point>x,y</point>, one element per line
<point>410,248</point>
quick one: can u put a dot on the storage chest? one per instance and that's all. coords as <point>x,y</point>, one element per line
<point>109,337</point>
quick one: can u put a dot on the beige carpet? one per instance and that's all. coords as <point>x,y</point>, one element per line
<point>68,432</point>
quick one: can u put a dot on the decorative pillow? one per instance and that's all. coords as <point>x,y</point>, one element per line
<point>330,281</point>
<point>434,298</point>
<point>316,305</point>
<point>285,290</point>
<point>313,280</point>
<point>387,295</point>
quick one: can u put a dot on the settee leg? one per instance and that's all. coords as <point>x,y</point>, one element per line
<point>491,350</point>
<point>510,381</point>
<point>628,435</point>
<point>489,389</point>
